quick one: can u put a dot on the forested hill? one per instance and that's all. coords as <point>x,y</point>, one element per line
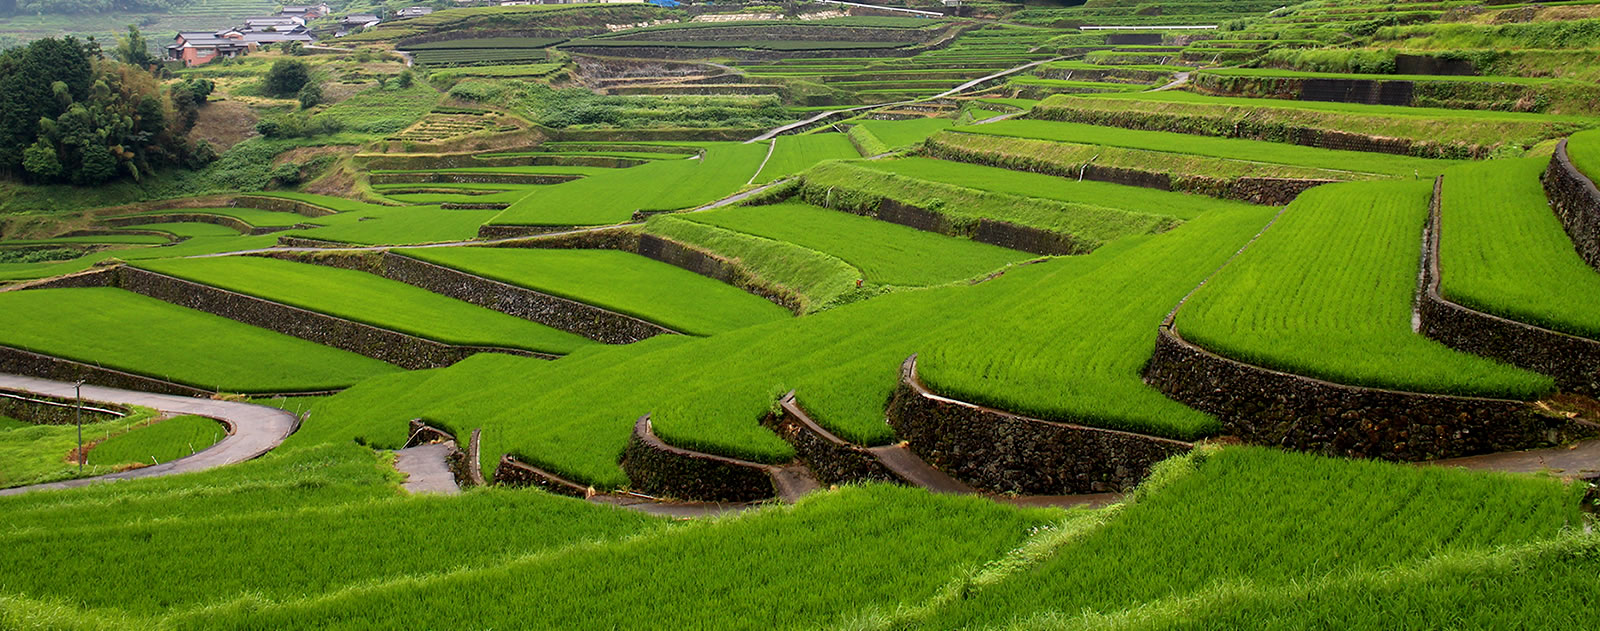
<point>30,7</point>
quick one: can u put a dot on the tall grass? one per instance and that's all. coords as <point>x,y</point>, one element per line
<point>1292,302</point>
<point>1502,251</point>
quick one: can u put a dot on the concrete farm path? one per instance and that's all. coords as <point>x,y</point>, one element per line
<point>427,469</point>
<point>253,429</point>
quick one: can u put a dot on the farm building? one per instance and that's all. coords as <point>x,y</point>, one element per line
<point>306,12</point>
<point>200,48</point>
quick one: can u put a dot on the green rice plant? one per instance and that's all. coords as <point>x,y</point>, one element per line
<point>1583,148</point>
<point>807,279</point>
<point>898,134</point>
<point>660,185</point>
<point>123,239</point>
<point>886,253</point>
<point>754,44</point>
<point>1130,198</point>
<point>509,70</point>
<point>187,229</point>
<point>1252,519</point>
<point>483,42</point>
<point>339,496</point>
<point>127,331</point>
<point>1076,356</point>
<point>398,225</point>
<point>620,281</point>
<point>897,545</point>
<point>35,454</point>
<point>1503,252</point>
<point>252,216</point>
<point>158,442</point>
<point>7,422</point>
<point>793,154</point>
<point>197,245</point>
<point>850,186</point>
<point>1342,314</point>
<point>371,300</point>
<point>1230,148</point>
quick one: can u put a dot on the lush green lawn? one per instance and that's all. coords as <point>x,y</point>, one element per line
<point>1231,148</point>
<point>34,454</point>
<point>1292,302</point>
<point>793,154</point>
<point>620,281</point>
<point>886,253</point>
<point>1130,198</point>
<point>370,299</point>
<point>1503,252</point>
<point>660,185</point>
<point>165,441</point>
<point>188,229</point>
<point>1247,521</point>
<point>126,331</point>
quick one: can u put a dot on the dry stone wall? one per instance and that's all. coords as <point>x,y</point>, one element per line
<point>660,469</point>
<point>1006,453</point>
<point>833,459</point>
<point>23,362</point>
<point>220,220</point>
<point>281,204</point>
<point>42,409</point>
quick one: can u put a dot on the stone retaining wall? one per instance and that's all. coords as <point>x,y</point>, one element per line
<point>22,362</point>
<point>661,469</point>
<point>1275,408</point>
<point>568,315</point>
<point>280,204</point>
<point>513,472</point>
<point>1573,361</point>
<point>221,220</point>
<point>99,277</point>
<point>994,232</point>
<point>42,409</point>
<point>1006,453</point>
<point>1576,201</point>
<point>833,459</point>
<point>400,349</point>
<point>507,231</point>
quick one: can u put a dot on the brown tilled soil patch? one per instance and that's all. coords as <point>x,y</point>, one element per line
<point>224,124</point>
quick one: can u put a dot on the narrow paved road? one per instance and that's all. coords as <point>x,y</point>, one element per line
<point>256,429</point>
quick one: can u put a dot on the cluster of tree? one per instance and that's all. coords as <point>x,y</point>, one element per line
<point>69,114</point>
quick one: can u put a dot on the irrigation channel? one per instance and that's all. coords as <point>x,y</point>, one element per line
<point>252,429</point>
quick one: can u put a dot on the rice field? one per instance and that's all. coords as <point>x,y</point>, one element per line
<point>159,442</point>
<point>188,229</point>
<point>36,454</point>
<point>370,299</point>
<point>620,281</point>
<point>660,185</point>
<point>793,154</point>
<point>1502,250</point>
<point>1342,314</point>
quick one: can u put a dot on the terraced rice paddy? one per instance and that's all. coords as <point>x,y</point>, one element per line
<point>793,154</point>
<point>885,253</point>
<point>164,441</point>
<point>252,216</point>
<point>660,185</point>
<point>370,299</point>
<point>188,229</point>
<point>1342,314</point>
<point>620,281</point>
<point>1503,252</point>
<point>126,331</point>
<point>35,453</point>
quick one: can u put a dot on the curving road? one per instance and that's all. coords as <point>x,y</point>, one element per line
<point>254,429</point>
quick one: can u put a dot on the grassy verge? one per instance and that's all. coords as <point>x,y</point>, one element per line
<point>1342,314</point>
<point>370,299</point>
<point>129,332</point>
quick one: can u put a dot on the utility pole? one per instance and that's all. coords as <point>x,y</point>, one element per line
<point>77,389</point>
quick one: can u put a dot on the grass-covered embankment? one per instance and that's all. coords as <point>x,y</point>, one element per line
<point>35,454</point>
<point>158,442</point>
<point>1294,302</point>
<point>129,332</point>
<point>1502,251</point>
<point>370,300</point>
<point>793,154</point>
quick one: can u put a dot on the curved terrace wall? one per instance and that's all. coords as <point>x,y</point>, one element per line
<point>22,362</point>
<point>281,204</point>
<point>221,220</point>
<point>472,178</point>
<point>833,459</point>
<point>407,351</point>
<point>1276,408</point>
<point>1576,202</point>
<point>990,231</point>
<point>41,409</point>
<point>1573,361</point>
<point>661,469</point>
<point>1007,453</point>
